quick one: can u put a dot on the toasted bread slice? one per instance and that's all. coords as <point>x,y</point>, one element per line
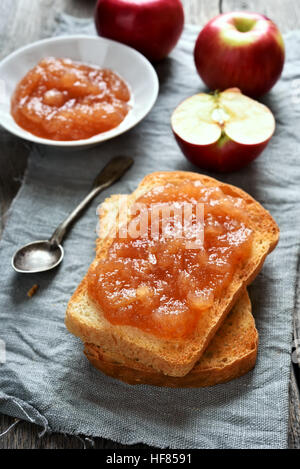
<point>171,357</point>
<point>231,353</point>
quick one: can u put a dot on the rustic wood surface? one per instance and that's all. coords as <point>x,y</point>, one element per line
<point>24,21</point>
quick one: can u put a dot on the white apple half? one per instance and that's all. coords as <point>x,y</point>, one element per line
<point>222,131</point>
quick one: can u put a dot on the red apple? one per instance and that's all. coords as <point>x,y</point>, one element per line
<point>222,131</point>
<point>240,49</point>
<point>153,27</point>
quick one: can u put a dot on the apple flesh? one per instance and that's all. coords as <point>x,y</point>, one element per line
<point>153,27</point>
<point>223,131</point>
<point>240,49</point>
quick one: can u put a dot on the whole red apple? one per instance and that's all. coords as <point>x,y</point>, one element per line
<point>222,131</point>
<point>240,49</point>
<point>153,27</point>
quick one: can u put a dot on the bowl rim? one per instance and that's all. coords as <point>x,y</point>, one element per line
<point>98,138</point>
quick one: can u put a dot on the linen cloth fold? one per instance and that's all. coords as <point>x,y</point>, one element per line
<point>46,379</point>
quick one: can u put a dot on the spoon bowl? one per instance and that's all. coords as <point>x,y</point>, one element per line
<point>38,256</point>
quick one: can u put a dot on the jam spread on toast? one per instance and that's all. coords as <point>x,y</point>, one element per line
<point>64,100</point>
<point>162,282</point>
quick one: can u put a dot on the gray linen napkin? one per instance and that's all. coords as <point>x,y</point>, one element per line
<point>47,380</point>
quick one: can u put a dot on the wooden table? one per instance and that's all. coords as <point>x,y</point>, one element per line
<point>25,21</point>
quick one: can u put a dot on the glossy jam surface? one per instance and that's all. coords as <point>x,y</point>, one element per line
<point>156,283</point>
<point>64,100</point>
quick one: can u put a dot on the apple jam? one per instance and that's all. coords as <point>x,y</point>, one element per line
<point>154,281</point>
<point>64,100</point>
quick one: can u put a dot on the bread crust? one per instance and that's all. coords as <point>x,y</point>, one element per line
<point>231,353</point>
<point>170,357</point>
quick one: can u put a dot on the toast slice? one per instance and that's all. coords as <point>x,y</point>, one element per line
<point>170,357</point>
<point>231,353</point>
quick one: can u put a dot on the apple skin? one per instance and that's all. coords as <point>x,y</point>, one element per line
<point>221,157</point>
<point>152,27</point>
<point>251,61</point>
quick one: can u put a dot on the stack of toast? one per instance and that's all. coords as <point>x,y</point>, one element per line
<point>222,347</point>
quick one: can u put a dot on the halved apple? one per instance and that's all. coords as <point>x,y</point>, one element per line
<point>222,131</point>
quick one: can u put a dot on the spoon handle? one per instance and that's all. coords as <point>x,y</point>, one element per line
<point>107,176</point>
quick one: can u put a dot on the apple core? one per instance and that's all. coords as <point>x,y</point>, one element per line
<point>220,116</point>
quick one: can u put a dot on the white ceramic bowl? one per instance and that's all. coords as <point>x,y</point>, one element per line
<point>104,53</point>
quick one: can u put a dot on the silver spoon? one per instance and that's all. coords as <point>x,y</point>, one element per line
<point>40,256</point>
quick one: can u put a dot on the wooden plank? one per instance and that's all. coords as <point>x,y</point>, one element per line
<point>286,14</point>
<point>80,8</point>
<point>294,424</point>
<point>13,161</point>
<point>200,11</point>
<point>25,21</point>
